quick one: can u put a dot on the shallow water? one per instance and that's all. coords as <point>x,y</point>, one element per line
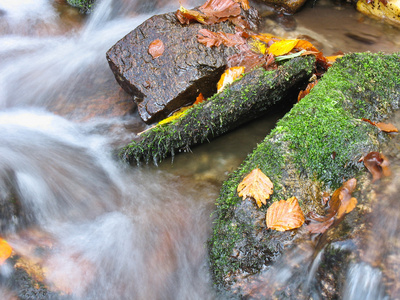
<point>101,229</point>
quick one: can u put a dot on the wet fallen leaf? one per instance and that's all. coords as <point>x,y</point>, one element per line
<point>258,46</point>
<point>385,127</point>
<point>228,77</point>
<point>256,185</point>
<point>220,9</point>
<point>377,164</point>
<point>186,15</point>
<point>210,38</point>
<point>282,47</point>
<point>340,204</point>
<point>247,59</point>
<point>200,98</point>
<point>156,48</point>
<point>176,115</point>
<point>5,251</point>
<point>304,93</point>
<point>285,215</point>
<point>244,4</point>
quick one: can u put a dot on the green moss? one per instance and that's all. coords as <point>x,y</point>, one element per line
<point>86,6</point>
<point>320,139</point>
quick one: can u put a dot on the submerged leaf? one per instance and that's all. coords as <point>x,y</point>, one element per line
<point>228,77</point>
<point>257,186</point>
<point>285,215</point>
<point>377,164</point>
<point>5,251</point>
<point>156,48</point>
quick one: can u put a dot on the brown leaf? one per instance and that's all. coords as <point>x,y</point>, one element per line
<point>210,38</point>
<point>304,93</point>
<point>156,48</point>
<point>244,4</point>
<point>285,215</point>
<point>385,127</point>
<point>186,15</point>
<point>220,9</point>
<point>257,186</point>
<point>377,164</point>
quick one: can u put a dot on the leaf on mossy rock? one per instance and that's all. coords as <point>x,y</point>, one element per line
<point>228,77</point>
<point>256,185</point>
<point>304,93</point>
<point>377,164</point>
<point>5,251</point>
<point>285,215</point>
<point>282,47</point>
<point>385,127</point>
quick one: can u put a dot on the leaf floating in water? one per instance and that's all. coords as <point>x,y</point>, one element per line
<point>256,185</point>
<point>285,215</point>
<point>156,48</point>
<point>377,164</point>
<point>5,251</point>
<point>228,77</point>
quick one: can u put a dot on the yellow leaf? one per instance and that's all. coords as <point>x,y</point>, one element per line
<point>228,77</point>
<point>257,186</point>
<point>282,47</point>
<point>258,46</point>
<point>176,115</point>
<point>285,215</point>
<point>5,251</point>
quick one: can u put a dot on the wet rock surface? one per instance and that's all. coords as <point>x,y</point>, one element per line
<point>186,68</point>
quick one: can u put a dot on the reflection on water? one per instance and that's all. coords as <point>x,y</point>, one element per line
<point>100,229</point>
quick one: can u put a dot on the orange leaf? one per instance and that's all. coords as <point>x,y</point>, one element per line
<point>156,48</point>
<point>306,45</point>
<point>228,77</point>
<point>5,251</point>
<point>332,59</point>
<point>385,127</point>
<point>257,186</point>
<point>377,164</point>
<point>304,93</point>
<point>244,4</point>
<point>186,15</point>
<point>282,47</point>
<point>220,9</point>
<point>285,215</point>
<point>200,98</point>
<point>210,38</point>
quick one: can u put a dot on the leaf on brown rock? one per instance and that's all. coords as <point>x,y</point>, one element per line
<point>377,164</point>
<point>156,48</point>
<point>256,185</point>
<point>210,38</point>
<point>285,215</point>
<point>186,15</point>
<point>220,9</point>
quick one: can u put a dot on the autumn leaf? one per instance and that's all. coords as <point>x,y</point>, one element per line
<point>156,48</point>
<point>200,98</point>
<point>304,93</point>
<point>247,59</point>
<point>377,164</point>
<point>258,46</point>
<point>228,77</point>
<point>257,186</point>
<point>210,38</point>
<point>244,4</point>
<point>186,15</point>
<point>5,251</point>
<point>220,9</point>
<point>282,47</point>
<point>176,115</point>
<point>285,215</point>
<point>340,204</point>
<point>385,127</point>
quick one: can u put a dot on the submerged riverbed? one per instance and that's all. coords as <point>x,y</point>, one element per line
<point>99,228</point>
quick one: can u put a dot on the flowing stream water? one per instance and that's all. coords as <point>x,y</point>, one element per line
<point>106,230</point>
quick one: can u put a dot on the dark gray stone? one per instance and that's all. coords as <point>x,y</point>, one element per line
<point>185,69</point>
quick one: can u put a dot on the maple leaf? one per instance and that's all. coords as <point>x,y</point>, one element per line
<point>377,164</point>
<point>5,251</point>
<point>256,185</point>
<point>285,215</point>
<point>156,48</point>
<point>282,47</point>
<point>228,77</point>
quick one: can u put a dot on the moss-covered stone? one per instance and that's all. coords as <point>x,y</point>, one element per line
<point>313,148</point>
<point>85,6</point>
<point>244,100</point>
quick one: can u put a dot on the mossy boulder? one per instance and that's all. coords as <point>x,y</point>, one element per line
<point>85,6</point>
<point>244,100</point>
<point>312,150</point>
